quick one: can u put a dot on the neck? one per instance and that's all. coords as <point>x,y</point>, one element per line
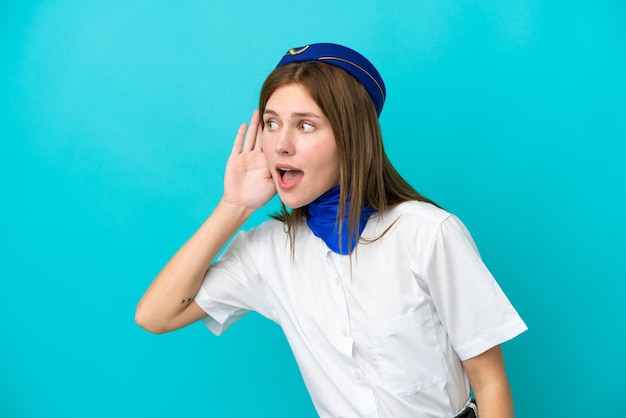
<point>324,222</point>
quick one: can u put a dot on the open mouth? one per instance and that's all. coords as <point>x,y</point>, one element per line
<point>289,175</point>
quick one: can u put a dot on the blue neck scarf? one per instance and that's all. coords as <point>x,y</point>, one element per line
<point>322,221</point>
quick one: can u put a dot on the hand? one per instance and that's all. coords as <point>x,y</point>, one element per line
<point>248,182</point>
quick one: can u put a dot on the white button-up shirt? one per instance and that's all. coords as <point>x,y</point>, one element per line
<point>383,335</point>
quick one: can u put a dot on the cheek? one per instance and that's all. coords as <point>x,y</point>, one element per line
<point>330,165</point>
<point>333,158</point>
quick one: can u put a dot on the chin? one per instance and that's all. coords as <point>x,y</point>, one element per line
<point>291,202</point>
<point>294,205</point>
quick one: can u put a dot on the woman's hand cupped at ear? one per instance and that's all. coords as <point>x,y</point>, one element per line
<point>247,181</point>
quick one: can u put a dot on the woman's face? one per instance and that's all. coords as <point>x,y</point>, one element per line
<point>299,146</point>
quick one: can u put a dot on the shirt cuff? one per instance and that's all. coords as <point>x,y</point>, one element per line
<point>490,339</point>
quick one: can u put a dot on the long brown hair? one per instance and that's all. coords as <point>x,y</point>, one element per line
<point>366,176</point>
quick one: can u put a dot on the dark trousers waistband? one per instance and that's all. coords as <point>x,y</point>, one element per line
<point>469,411</point>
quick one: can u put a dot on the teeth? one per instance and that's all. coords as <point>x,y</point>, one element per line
<point>283,171</point>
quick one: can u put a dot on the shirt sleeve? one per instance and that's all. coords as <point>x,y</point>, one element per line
<point>475,312</point>
<point>232,287</point>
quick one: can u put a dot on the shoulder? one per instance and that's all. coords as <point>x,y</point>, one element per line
<point>250,240</point>
<point>418,222</point>
<point>418,210</point>
<point>413,214</point>
<point>269,227</point>
<point>262,232</point>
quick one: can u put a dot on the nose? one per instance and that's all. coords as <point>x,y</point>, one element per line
<point>284,142</point>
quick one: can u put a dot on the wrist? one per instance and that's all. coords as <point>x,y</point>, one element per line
<point>234,210</point>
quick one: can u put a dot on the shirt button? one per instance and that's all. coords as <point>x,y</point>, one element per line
<point>358,375</point>
<point>337,280</point>
<point>344,333</point>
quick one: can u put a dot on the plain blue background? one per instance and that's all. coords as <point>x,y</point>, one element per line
<point>116,118</point>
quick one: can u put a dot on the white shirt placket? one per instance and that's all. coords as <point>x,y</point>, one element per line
<point>363,390</point>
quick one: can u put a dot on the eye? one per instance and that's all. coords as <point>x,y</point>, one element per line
<point>271,125</point>
<point>306,127</point>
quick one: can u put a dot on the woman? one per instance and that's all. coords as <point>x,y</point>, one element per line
<point>381,294</point>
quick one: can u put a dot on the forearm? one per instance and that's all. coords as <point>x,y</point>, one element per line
<point>490,384</point>
<point>494,400</point>
<point>173,289</point>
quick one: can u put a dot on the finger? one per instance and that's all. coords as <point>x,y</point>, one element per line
<point>258,146</point>
<point>239,139</point>
<point>251,136</point>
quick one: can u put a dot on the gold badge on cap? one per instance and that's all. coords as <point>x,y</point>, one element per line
<point>294,51</point>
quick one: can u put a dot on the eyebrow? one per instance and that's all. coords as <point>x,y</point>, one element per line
<point>295,114</point>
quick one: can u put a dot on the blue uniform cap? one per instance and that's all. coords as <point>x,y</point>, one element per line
<point>346,59</point>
